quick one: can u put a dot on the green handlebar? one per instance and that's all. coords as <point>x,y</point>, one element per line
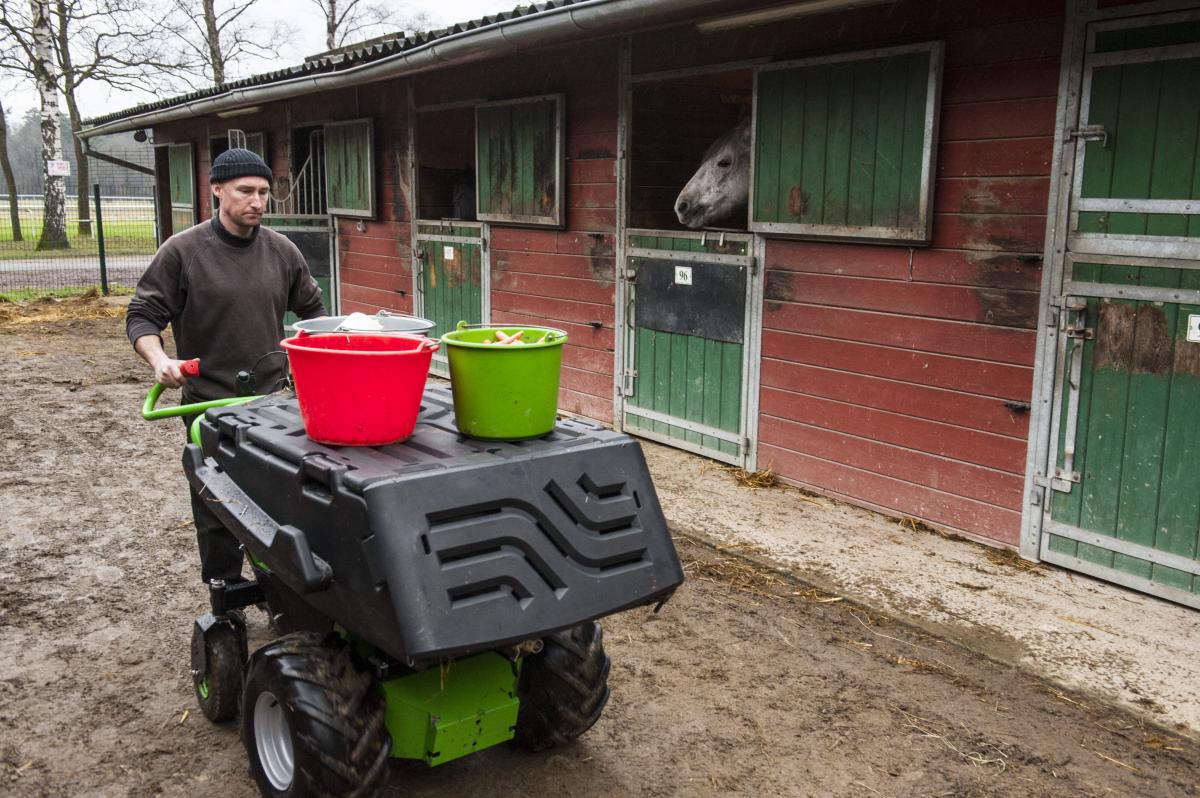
<point>192,369</point>
<point>151,414</point>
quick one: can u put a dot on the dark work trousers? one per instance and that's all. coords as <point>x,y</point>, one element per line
<point>220,552</point>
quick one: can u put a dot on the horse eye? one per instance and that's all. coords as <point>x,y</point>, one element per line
<point>724,163</point>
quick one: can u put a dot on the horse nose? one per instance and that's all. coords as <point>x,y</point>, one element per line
<point>682,206</point>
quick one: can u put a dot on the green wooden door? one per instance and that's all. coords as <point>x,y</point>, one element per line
<point>685,341</point>
<point>844,144</point>
<point>519,157</point>
<point>452,279</point>
<point>1125,498</point>
<point>181,175</point>
<point>1137,186</point>
<point>350,168</point>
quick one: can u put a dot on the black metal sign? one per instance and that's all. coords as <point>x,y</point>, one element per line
<point>691,297</point>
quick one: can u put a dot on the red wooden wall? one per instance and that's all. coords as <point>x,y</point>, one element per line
<point>890,374</point>
<point>375,263</point>
<point>562,278</point>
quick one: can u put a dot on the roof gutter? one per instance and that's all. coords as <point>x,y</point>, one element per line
<point>501,37</point>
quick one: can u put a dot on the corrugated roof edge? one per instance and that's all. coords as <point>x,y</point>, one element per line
<point>337,60</point>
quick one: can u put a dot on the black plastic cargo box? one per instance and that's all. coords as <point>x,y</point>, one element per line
<point>441,545</point>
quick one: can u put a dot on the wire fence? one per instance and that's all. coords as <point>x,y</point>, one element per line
<point>124,221</point>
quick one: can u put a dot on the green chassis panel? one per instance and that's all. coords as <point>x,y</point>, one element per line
<point>465,706</point>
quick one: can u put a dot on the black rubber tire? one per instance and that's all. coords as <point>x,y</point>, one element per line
<point>225,651</point>
<point>563,688</point>
<point>334,712</point>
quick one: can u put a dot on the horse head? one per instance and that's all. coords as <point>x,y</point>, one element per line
<point>721,186</point>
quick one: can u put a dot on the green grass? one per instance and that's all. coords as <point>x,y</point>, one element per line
<point>26,294</point>
<point>128,230</point>
<point>120,238</point>
<point>25,250</point>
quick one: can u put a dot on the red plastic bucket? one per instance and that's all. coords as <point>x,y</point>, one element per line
<point>359,390</point>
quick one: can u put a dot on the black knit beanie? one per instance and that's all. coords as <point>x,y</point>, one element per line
<point>238,163</point>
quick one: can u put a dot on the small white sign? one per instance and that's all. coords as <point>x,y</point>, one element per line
<point>1193,332</point>
<point>58,168</point>
<point>683,275</point>
<point>447,253</point>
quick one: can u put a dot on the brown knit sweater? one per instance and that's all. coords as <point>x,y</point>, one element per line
<point>225,298</point>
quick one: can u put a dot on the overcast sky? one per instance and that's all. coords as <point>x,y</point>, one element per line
<point>96,100</point>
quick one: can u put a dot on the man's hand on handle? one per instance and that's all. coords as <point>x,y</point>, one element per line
<point>172,373</point>
<point>167,370</point>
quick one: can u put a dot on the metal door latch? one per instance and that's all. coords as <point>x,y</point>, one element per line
<point>1063,480</point>
<point>627,383</point>
<point>1089,133</point>
<point>1076,326</point>
<point>1078,330</point>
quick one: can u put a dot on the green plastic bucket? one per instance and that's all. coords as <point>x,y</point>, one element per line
<point>504,392</point>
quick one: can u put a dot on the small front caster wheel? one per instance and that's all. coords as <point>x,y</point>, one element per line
<point>218,665</point>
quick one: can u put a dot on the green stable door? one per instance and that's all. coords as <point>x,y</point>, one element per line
<point>685,341</point>
<point>1125,493</point>
<point>451,278</point>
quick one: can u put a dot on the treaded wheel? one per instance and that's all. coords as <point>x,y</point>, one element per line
<point>219,687</point>
<point>563,688</point>
<point>313,721</point>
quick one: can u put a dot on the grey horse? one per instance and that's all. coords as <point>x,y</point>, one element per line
<point>721,186</point>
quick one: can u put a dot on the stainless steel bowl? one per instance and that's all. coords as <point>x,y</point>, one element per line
<point>388,323</point>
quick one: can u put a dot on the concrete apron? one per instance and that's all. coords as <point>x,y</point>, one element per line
<point>1116,644</point>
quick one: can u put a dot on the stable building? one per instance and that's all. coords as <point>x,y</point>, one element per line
<point>965,288</point>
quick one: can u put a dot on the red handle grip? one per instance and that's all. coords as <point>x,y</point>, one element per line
<point>191,367</point>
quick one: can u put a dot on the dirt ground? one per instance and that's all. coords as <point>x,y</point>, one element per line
<point>747,682</point>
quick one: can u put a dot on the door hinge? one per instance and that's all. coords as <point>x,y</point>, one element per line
<point>628,376</point>
<point>1089,133</point>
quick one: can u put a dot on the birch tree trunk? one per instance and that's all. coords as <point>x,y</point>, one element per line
<point>54,201</point>
<point>10,182</point>
<point>70,76</point>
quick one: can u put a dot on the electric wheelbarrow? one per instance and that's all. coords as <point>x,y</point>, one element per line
<point>433,597</point>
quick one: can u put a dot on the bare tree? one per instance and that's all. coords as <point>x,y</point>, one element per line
<point>119,43</point>
<point>348,21</point>
<point>10,182</point>
<point>222,38</point>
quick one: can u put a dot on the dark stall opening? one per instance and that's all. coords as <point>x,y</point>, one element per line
<point>675,122</point>
<point>305,191</point>
<point>446,164</point>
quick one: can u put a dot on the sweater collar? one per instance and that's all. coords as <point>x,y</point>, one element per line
<point>229,238</point>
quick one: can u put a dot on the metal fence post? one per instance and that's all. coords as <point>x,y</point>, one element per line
<point>100,240</point>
